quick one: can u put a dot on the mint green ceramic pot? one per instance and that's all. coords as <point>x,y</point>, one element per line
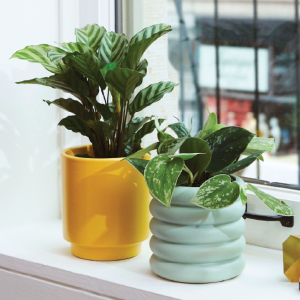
<point>195,245</point>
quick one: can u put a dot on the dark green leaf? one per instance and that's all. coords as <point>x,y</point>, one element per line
<point>102,109</point>
<point>142,68</point>
<point>216,193</point>
<point>144,151</point>
<point>83,156</point>
<point>240,165</point>
<point>138,164</point>
<point>101,128</point>
<point>180,129</point>
<point>161,175</point>
<point>147,128</point>
<point>135,124</point>
<point>226,145</point>
<point>183,178</point>
<point>76,124</point>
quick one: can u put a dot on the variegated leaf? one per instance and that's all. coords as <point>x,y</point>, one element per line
<point>257,144</point>
<point>72,106</point>
<point>240,165</point>
<point>183,178</point>
<point>138,164</point>
<point>123,80</point>
<point>216,193</point>
<point>180,129</point>
<point>76,47</point>
<point>112,47</point>
<point>149,95</point>
<point>273,203</point>
<point>147,128</point>
<point>161,175</point>
<point>91,35</point>
<point>39,54</point>
<point>141,41</point>
<point>198,164</point>
<point>144,151</point>
<point>226,145</point>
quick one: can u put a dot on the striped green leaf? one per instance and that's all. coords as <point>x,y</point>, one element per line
<point>141,41</point>
<point>135,125</point>
<point>112,47</point>
<point>103,129</point>
<point>226,145</point>
<point>198,164</point>
<point>123,80</point>
<point>39,54</point>
<point>102,109</point>
<point>161,175</point>
<point>91,35</point>
<point>72,106</point>
<point>180,129</point>
<point>240,165</point>
<point>76,124</point>
<point>149,95</point>
<point>142,68</point>
<point>138,164</point>
<point>147,128</point>
<point>89,66</point>
<point>76,47</point>
<point>273,203</point>
<point>216,193</point>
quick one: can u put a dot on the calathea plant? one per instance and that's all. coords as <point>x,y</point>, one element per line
<point>100,61</point>
<point>206,161</point>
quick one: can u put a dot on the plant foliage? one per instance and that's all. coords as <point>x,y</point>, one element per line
<point>206,161</point>
<point>105,63</point>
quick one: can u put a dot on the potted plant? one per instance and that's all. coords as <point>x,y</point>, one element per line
<point>199,239</point>
<point>105,200</point>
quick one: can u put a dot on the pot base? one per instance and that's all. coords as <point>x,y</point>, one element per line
<point>197,273</point>
<point>106,253</point>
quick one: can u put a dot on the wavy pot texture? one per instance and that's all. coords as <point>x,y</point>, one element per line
<point>105,206</point>
<point>195,245</point>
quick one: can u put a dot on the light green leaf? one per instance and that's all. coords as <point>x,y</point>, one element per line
<point>123,80</point>
<point>161,175</point>
<point>102,128</point>
<point>138,164</point>
<point>243,194</point>
<point>199,163</point>
<point>39,54</point>
<point>273,203</point>
<point>210,122</point>
<point>76,47</point>
<point>144,151</point>
<point>240,165</point>
<point>112,47</point>
<point>150,94</point>
<point>180,129</point>
<point>91,35</point>
<point>141,41</point>
<point>185,156</point>
<point>257,144</point>
<point>217,192</point>
<point>210,130</point>
<point>226,145</point>
<point>76,124</point>
<point>72,106</point>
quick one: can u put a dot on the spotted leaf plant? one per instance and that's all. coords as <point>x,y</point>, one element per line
<point>104,63</point>
<point>207,161</point>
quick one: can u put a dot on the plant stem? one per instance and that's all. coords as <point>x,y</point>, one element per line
<point>185,168</point>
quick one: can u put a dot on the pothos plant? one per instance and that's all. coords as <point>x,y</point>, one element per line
<point>206,161</point>
<point>96,62</point>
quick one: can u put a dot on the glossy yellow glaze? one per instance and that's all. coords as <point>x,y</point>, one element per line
<point>105,206</point>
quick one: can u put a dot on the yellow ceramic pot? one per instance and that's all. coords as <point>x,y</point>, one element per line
<point>105,206</point>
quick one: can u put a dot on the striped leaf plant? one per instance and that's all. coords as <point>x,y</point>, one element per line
<point>208,161</point>
<point>104,63</point>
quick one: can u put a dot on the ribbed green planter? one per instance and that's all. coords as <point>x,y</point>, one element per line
<point>196,245</point>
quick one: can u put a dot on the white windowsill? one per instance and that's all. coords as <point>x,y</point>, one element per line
<point>40,253</point>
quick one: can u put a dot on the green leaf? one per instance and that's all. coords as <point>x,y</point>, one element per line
<point>180,129</point>
<point>210,130</point>
<point>89,66</point>
<point>76,47</point>
<point>138,164</point>
<point>273,203</point>
<point>144,151</point>
<point>141,41</point>
<point>199,163</point>
<point>243,194</point>
<point>142,68</point>
<point>83,155</point>
<point>170,147</point>
<point>76,124</point>
<point>147,128</point>
<point>257,144</point>
<point>185,156</point>
<point>39,54</point>
<point>217,192</point>
<point>123,80</point>
<point>102,109</point>
<point>102,128</point>
<point>161,175</point>
<point>210,122</point>
<point>163,136</point>
<point>226,145</point>
<point>135,124</point>
<point>91,35</point>
<point>240,165</point>
<point>72,106</point>
<point>183,178</point>
<point>150,94</point>
<point>112,47</point>
<point>106,68</point>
